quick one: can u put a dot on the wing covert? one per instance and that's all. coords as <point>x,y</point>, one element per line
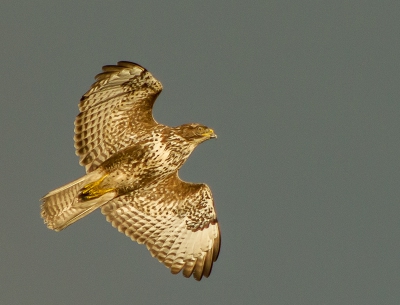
<point>176,221</point>
<point>115,113</point>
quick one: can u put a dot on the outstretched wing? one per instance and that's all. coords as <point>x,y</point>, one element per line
<point>177,222</point>
<point>115,113</point>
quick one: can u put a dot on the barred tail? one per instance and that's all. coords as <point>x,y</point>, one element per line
<point>62,207</point>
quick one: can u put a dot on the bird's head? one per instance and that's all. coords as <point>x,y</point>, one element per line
<point>196,132</point>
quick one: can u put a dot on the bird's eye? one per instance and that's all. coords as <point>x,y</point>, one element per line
<point>200,129</point>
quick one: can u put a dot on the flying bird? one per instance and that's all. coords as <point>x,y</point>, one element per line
<point>132,165</point>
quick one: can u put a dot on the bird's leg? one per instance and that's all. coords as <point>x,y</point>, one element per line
<point>93,190</point>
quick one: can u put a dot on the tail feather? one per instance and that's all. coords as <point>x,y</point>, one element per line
<point>61,207</point>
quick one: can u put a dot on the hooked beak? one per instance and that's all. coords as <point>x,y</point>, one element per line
<point>211,133</point>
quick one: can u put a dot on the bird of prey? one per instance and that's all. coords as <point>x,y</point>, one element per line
<point>132,165</point>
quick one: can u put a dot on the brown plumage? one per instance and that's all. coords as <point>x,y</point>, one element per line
<point>132,165</point>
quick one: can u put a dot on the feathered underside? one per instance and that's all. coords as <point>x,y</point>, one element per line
<point>175,220</point>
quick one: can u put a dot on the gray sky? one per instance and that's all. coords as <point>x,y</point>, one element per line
<point>304,97</point>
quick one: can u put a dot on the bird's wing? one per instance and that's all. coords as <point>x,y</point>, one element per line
<point>115,113</point>
<point>177,222</point>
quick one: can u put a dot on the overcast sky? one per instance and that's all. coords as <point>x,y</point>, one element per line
<point>304,97</point>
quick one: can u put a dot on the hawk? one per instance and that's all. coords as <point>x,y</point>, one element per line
<point>132,165</point>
